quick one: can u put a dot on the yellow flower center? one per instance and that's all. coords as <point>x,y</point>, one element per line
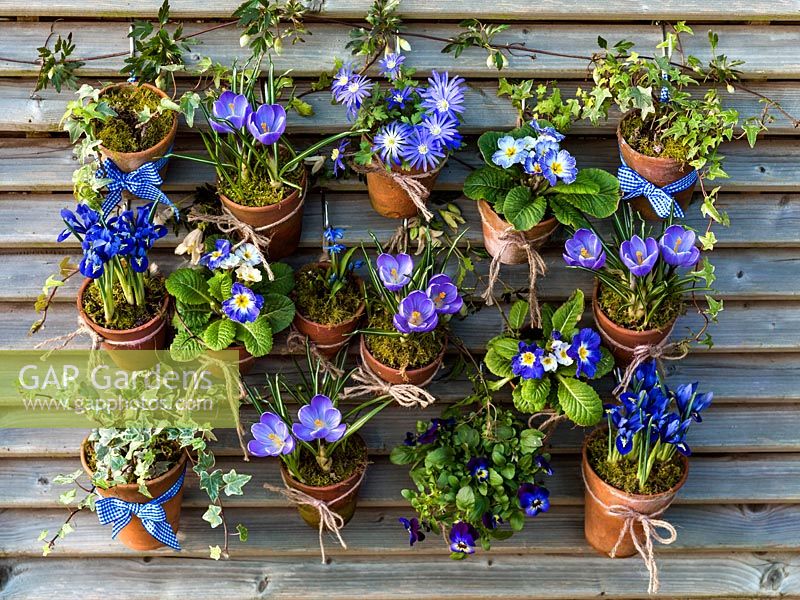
<point>394,273</point>
<point>343,79</point>
<point>422,149</point>
<point>583,352</point>
<point>231,106</point>
<point>353,87</point>
<point>335,154</point>
<point>677,244</point>
<point>276,440</point>
<point>318,423</point>
<point>443,105</point>
<point>416,317</point>
<point>585,253</point>
<point>639,256</point>
<point>511,151</point>
<point>263,128</point>
<point>557,168</point>
<point>528,358</point>
<point>242,301</point>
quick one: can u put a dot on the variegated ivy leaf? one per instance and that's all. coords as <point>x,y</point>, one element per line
<point>708,241</point>
<point>213,515</point>
<point>67,479</point>
<point>243,533</point>
<point>67,497</point>
<point>65,530</point>
<point>234,482</point>
<point>215,552</point>
<point>43,535</point>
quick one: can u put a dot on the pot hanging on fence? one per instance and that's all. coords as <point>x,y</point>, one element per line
<point>509,251</point>
<point>420,376</point>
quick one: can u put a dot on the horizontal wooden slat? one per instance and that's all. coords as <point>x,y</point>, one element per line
<point>481,577</point>
<point>763,48</point>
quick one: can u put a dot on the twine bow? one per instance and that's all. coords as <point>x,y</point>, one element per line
<point>410,183</point>
<point>536,267</point>
<point>119,513</point>
<point>296,342</point>
<point>85,329</point>
<point>406,395</point>
<point>328,518</point>
<point>142,183</point>
<point>661,199</point>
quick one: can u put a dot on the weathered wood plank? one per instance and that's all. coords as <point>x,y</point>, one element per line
<point>768,220</point>
<point>762,47</point>
<point>484,576</point>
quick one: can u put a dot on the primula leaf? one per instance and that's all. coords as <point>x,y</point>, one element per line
<point>185,347</point>
<point>487,144</point>
<point>566,316</point>
<point>256,336</point>
<point>595,192</point>
<point>605,365</point>
<point>579,401</point>
<point>219,334</point>
<point>518,314</point>
<point>284,279</point>
<point>193,316</point>
<point>188,286</point>
<point>566,214</point>
<point>498,364</point>
<point>278,310</point>
<point>488,183</point>
<point>220,286</point>
<point>522,209</point>
<point>531,395</point>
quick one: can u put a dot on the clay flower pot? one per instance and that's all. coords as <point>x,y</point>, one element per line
<point>130,161</point>
<point>134,535</point>
<point>619,339</point>
<point>389,199</point>
<point>602,530</point>
<point>284,238</point>
<point>417,377</point>
<point>494,226</point>
<point>340,497</point>
<point>658,171</point>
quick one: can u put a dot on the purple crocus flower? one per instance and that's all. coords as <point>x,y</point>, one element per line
<point>271,437</point>
<point>444,294</point>
<point>462,538</point>
<point>319,419</point>
<point>390,65</point>
<point>268,123</point>
<point>639,255</point>
<point>527,363</point>
<point>479,468</point>
<point>584,250</point>
<point>231,111</point>
<point>558,165</point>
<point>422,150</point>
<point>443,95</point>
<point>533,499</point>
<point>412,527</point>
<point>585,351</point>
<point>244,305</point>
<point>416,314</point>
<point>395,271</point>
<point>677,247</point>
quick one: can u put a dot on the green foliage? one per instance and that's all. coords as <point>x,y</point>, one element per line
<point>545,102</point>
<point>266,24</point>
<point>57,68</point>
<point>476,34</point>
<point>384,23</point>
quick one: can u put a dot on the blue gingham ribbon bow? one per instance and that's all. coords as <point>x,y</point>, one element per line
<point>142,183</point>
<point>662,200</point>
<point>119,513</point>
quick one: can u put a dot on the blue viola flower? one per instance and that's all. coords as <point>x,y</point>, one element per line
<point>443,95</point>
<point>78,222</point>
<point>423,151</point>
<point>430,434</point>
<point>547,131</point>
<point>394,271</point>
<point>444,129</point>
<point>219,257</point>
<point>584,250</point>
<point>479,468</point>
<point>509,152</point>
<point>639,255</point>
<point>398,97</point>
<point>690,403</point>
<point>390,65</point>
<point>558,165</point>
<point>392,141</point>
<point>527,363</point>
<point>585,351</point>
<point>541,462</point>
<point>462,538</point>
<point>244,305</point>
<point>412,527</point>
<point>267,123</point>
<point>319,420</point>
<point>411,439</point>
<point>271,437</point>
<point>491,521</point>
<point>533,499</point>
<point>231,111</point>
<point>677,247</point>
<point>444,294</point>
<point>354,93</point>
<point>416,313</point>
<point>337,156</point>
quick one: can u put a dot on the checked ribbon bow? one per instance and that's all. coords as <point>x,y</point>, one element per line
<point>142,183</point>
<point>662,199</point>
<point>119,513</point>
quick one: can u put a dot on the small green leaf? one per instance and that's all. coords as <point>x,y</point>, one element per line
<point>256,336</point>
<point>215,552</point>
<point>531,395</point>
<point>234,482</point>
<point>518,314</point>
<point>465,499</point>
<point>243,532</point>
<point>530,440</point>
<point>219,334</point>
<point>213,515</point>
<point>566,316</point>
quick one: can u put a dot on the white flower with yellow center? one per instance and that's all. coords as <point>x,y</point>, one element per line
<point>249,274</point>
<point>550,362</point>
<point>192,244</point>
<point>560,352</point>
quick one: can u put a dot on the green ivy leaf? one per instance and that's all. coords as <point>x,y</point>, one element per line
<point>234,482</point>
<point>210,483</point>
<point>243,533</point>
<point>594,192</point>
<point>215,552</point>
<point>256,336</point>
<point>488,183</point>
<point>188,286</point>
<point>566,316</point>
<point>522,209</point>
<point>579,401</point>
<point>219,334</point>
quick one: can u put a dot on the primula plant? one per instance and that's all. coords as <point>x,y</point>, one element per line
<point>643,279</point>
<point>529,177</point>
<point>407,125</point>
<point>645,430</point>
<point>551,371</point>
<point>229,300</point>
<point>478,474</point>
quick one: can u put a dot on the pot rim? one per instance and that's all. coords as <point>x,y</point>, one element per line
<point>270,207</point>
<point>666,160</point>
<point>485,204</point>
<point>334,486</point>
<point>358,314</point>
<point>171,133</point>
<point>644,497</point>
<point>636,332</point>
<point>105,330</point>
<point>409,372</point>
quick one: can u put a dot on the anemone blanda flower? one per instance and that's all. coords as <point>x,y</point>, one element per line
<point>413,529</point>
<point>443,95</point>
<point>509,152</point>
<point>416,313</point>
<point>341,79</point>
<point>533,499</point>
<point>423,151</point>
<point>398,97</point>
<point>558,165</point>
<point>584,250</point>
<point>230,111</point>
<point>354,93</point>
<point>444,294</point>
<point>337,156</point>
<point>249,254</point>
<point>443,128</point>
<point>319,420</point>
<point>527,363</point>
<point>478,467</point>
<point>462,538</point>
<point>394,271</point>
<point>267,123</point>
<point>391,141</point>
<point>677,247</point>
<point>639,255</point>
<point>271,437</point>
<point>390,65</point>
<point>244,305</point>
<point>585,351</point>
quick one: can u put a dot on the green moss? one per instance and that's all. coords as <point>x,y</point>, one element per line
<point>126,316</point>
<point>614,309</point>
<point>643,141</point>
<point>315,303</point>
<point>258,191</point>
<point>123,133</point>
<point>407,352</point>
<point>622,474</point>
<point>349,457</point>
<point>165,451</point>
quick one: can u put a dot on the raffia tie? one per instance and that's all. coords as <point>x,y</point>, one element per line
<point>536,266</point>
<point>296,342</point>
<point>650,527</point>
<point>328,519</point>
<point>549,424</point>
<point>406,395</point>
<point>85,329</point>
<point>227,223</point>
<point>409,182</point>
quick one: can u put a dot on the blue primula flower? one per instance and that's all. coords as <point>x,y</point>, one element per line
<point>547,131</point>
<point>558,165</point>
<point>527,363</point>
<point>585,351</point>
<point>220,257</point>
<point>509,152</point>
<point>244,305</point>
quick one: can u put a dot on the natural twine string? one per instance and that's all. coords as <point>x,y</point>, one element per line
<point>650,528</point>
<point>536,266</point>
<point>548,426</point>
<point>85,329</point>
<point>406,395</point>
<point>328,519</point>
<point>296,342</point>
<point>410,183</point>
<point>227,223</point>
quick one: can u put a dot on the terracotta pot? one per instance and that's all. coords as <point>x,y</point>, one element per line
<point>494,226</point>
<point>246,360</point>
<point>134,535</point>
<point>417,377</point>
<point>390,200</point>
<point>602,530</point>
<point>284,238</point>
<point>619,338</point>
<point>130,161</point>
<point>658,171</point>
<point>341,497</point>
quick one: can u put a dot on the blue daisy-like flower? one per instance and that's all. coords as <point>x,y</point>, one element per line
<point>443,94</point>
<point>443,128</point>
<point>391,141</point>
<point>423,151</point>
<point>390,65</point>
<point>397,98</point>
